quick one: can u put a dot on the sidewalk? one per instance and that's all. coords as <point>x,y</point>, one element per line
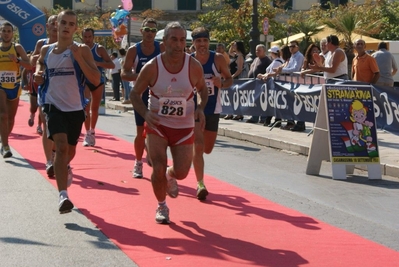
<point>298,142</point>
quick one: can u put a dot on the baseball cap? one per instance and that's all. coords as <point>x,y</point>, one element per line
<point>274,49</point>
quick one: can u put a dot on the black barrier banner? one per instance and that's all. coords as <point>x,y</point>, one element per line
<point>294,101</point>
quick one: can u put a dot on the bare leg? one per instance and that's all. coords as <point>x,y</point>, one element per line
<point>157,148</point>
<point>139,143</point>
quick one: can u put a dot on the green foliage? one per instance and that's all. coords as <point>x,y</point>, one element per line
<point>96,19</point>
<point>227,24</point>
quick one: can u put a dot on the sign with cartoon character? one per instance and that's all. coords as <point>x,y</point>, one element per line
<point>345,131</point>
<point>351,122</point>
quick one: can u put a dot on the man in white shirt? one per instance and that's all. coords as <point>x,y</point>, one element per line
<point>116,76</point>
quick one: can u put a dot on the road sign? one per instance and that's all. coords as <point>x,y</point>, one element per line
<point>265,26</point>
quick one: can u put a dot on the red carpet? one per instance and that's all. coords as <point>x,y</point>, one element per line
<point>232,228</point>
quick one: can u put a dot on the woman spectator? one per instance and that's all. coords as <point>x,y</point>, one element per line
<point>237,54</point>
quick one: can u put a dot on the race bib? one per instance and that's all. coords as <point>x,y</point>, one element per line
<point>172,106</point>
<point>8,76</point>
<point>210,86</point>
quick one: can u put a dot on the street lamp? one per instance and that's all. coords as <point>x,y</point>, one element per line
<point>254,33</point>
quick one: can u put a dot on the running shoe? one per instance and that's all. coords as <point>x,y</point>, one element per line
<point>138,169</point>
<point>31,120</point>
<point>201,191</point>
<point>39,130</point>
<point>162,215</point>
<point>172,189</point>
<point>65,205</point>
<point>70,176</point>
<point>87,140</point>
<point>6,152</point>
<point>50,169</point>
<point>92,139</point>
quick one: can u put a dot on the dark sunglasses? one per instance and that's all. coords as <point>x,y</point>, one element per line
<point>148,29</point>
<point>292,46</point>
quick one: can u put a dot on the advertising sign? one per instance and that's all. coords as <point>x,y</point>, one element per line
<point>352,124</point>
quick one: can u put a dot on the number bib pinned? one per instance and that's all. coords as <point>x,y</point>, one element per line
<point>210,86</point>
<point>8,76</point>
<point>172,106</point>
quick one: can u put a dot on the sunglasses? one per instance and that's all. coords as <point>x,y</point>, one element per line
<point>148,29</point>
<point>292,46</point>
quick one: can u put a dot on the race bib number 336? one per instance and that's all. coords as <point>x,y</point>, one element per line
<point>172,106</point>
<point>8,77</point>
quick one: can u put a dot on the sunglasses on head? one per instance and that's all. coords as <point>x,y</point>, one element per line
<point>148,29</point>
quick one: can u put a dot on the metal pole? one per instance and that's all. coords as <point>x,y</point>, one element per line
<point>254,33</point>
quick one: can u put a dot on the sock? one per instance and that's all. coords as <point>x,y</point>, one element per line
<point>63,194</point>
<point>162,204</point>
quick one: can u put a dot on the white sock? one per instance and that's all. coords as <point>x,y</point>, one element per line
<point>63,194</point>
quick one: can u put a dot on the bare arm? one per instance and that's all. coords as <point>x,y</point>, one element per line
<point>107,62</point>
<point>40,66</point>
<point>145,79</point>
<point>36,52</point>
<point>127,67</point>
<point>24,61</point>
<point>84,57</point>
<point>375,78</point>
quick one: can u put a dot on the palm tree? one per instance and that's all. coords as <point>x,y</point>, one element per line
<point>347,20</point>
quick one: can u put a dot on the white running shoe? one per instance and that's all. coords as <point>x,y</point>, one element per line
<point>172,189</point>
<point>162,215</point>
<point>87,140</point>
<point>64,205</point>
<point>138,169</point>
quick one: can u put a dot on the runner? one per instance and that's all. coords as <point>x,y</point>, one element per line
<point>217,76</point>
<point>137,56</point>
<point>94,92</point>
<point>172,77</point>
<point>48,144</point>
<point>62,69</point>
<point>12,58</point>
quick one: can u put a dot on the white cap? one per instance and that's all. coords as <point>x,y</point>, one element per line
<point>274,49</point>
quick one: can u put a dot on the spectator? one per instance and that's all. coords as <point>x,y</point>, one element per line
<point>335,65</point>
<point>312,49</point>
<point>387,65</point>
<point>294,65</point>
<point>125,84</point>
<point>277,62</point>
<point>364,66</point>
<point>220,48</point>
<point>237,54</point>
<point>258,66</point>
<point>116,76</point>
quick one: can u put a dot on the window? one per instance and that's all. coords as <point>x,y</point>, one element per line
<point>65,4</point>
<point>324,3</point>
<point>186,5</point>
<point>287,5</point>
<point>233,3</point>
<point>142,4</point>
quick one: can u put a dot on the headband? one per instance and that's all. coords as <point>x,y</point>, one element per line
<point>200,35</point>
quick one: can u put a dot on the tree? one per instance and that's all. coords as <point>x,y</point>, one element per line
<point>301,23</point>
<point>96,19</point>
<point>227,23</point>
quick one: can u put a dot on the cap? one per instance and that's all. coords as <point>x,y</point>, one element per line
<point>274,49</point>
